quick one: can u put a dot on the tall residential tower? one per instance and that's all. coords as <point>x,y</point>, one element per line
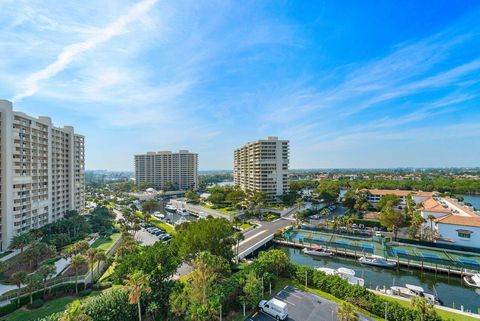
<point>42,170</point>
<point>262,166</point>
<point>167,170</point>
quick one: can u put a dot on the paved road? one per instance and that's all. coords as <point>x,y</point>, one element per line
<point>264,231</point>
<point>304,306</point>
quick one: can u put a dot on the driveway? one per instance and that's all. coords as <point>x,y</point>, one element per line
<point>304,306</point>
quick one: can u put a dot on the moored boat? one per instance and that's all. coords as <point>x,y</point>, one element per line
<point>170,207</point>
<point>410,291</point>
<point>182,211</point>
<point>473,280</point>
<point>317,251</point>
<point>345,273</point>
<point>377,261</point>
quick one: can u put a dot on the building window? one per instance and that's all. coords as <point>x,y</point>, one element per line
<point>464,235</point>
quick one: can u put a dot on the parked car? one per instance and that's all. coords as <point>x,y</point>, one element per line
<point>274,307</point>
<point>378,234</point>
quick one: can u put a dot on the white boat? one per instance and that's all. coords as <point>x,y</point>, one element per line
<point>161,216</point>
<point>182,211</point>
<point>170,207</point>
<point>349,276</point>
<point>345,273</point>
<point>327,271</point>
<point>473,280</point>
<point>317,251</point>
<point>410,291</point>
<point>377,261</point>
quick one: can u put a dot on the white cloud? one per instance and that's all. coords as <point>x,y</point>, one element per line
<point>68,53</point>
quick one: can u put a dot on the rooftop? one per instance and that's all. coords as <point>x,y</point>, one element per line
<point>459,220</point>
<point>399,192</point>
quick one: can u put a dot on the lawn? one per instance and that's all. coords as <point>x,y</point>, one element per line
<point>105,242</point>
<point>158,223</point>
<point>226,210</point>
<point>245,226</point>
<point>447,315</point>
<point>48,308</point>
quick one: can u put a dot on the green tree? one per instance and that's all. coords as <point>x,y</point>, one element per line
<point>276,260</point>
<point>424,308</point>
<point>346,312</point>
<point>77,262</point>
<point>391,219</point>
<point>91,256</point>
<point>328,191</point>
<point>191,196</point>
<point>75,312</point>
<point>136,284</point>
<point>213,234</point>
<point>20,241</point>
<point>18,278</point>
<point>100,257</point>
<point>238,237</point>
<point>150,206</point>
<point>45,271</point>
<point>208,269</point>
<point>33,281</point>
<point>389,199</point>
<point>252,290</point>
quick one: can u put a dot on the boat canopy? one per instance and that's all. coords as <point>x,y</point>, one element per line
<point>414,288</point>
<point>316,247</point>
<point>344,270</point>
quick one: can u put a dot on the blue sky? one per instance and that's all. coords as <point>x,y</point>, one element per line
<point>349,83</point>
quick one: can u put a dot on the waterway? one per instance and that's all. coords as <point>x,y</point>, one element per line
<point>472,199</point>
<point>449,289</point>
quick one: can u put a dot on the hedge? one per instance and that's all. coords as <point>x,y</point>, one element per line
<point>53,292</point>
<point>367,223</point>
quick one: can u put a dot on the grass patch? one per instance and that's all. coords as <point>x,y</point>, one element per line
<point>245,226</point>
<point>158,223</point>
<point>108,272</point>
<point>447,315</point>
<point>50,307</point>
<point>226,210</point>
<point>105,242</point>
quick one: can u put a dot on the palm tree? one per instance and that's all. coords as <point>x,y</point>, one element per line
<point>431,218</point>
<point>77,262</point>
<point>20,241</point>
<point>238,237</point>
<point>33,282</point>
<point>18,279</point>
<point>299,203</point>
<point>92,258</point>
<point>346,312</point>
<point>101,257</point>
<point>45,271</point>
<point>136,284</point>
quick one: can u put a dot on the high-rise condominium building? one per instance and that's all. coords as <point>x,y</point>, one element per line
<point>42,172</point>
<point>262,166</point>
<point>167,170</point>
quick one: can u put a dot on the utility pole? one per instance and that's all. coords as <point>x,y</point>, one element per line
<point>386,311</point>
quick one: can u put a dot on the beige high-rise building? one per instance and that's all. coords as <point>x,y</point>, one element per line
<point>167,170</point>
<point>42,172</point>
<point>262,166</point>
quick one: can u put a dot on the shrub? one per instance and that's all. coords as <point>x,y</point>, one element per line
<point>36,304</point>
<point>9,308</point>
<point>85,292</point>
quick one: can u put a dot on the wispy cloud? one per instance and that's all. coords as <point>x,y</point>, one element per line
<point>67,55</point>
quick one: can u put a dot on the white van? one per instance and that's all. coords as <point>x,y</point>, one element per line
<point>276,308</point>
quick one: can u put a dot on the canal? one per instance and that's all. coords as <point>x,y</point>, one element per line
<point>449,289</point>
<point>472,199</point>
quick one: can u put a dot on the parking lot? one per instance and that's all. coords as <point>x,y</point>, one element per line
<point>303,306</point>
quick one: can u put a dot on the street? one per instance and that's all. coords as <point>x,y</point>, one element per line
<point>303,306</point>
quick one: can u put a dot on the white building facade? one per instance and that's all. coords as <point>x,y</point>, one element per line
<point>42,172</point>
<point>262,166</point>
<point>167,170</point>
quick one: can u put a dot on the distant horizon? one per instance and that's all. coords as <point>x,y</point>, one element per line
<point>324,168</point>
